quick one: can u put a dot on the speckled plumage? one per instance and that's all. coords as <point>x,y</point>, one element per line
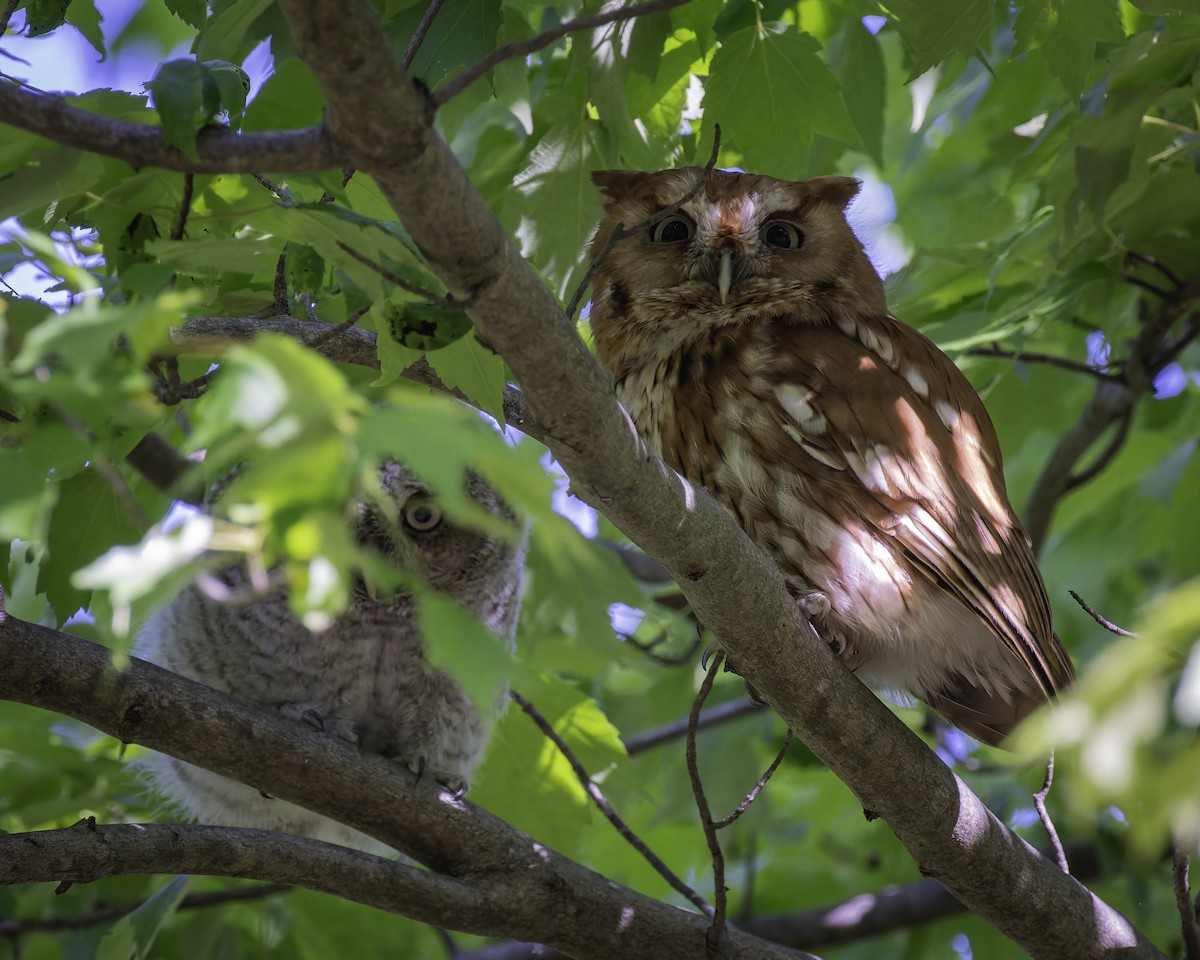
<point>364,678</point>
<point>843,441</point>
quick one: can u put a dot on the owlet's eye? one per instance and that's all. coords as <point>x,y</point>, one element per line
<point>782,235</point>
<point>673,230</point>
<point>421,514</point>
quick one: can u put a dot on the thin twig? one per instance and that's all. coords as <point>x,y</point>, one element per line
<point>418,37</point>
<point>1106,456</point>
<point>606,808</point>
<point>717,926</point>
<point>757,789</point>
<point>402,284</point>
<point>338,329</point>
<point>643,741</point>
<point>1156,264</point>
<point>1183,900</point>
<point>1150,287</point>
<point>104,467</point>
<point>1039,802</point>
<point>620,232</point>
<point>279,294</point>
<point>193,901</point>
<point>1106,624</point>
<point>523,48</point>
<point>185,206</point>
<point>1025,357</point>
<point>667,660</point>
<point>9,417</point>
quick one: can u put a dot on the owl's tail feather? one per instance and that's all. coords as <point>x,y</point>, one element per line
<point>983,714</point>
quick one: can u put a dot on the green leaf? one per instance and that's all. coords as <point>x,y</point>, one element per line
<point>462,34</point>
<point>191,12</point>
<point>224,36</point>
<point>425,326</point>
<point>455,642</point>
<point>153,912</point>
<point>934,29</point>
<point>554,197</point>
<point>479,373</point>
<point>770,92</point>
<point>289,99</point>
<point>857,59</point>
<point>232,85</point>
<point>88,519</point>
<point>180,99</point>
<point>84,17</point>
<point>44,16</point>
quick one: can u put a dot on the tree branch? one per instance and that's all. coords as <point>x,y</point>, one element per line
<point>140,145</point>
<point>1111,406</point>
<point>502,882</point>
<point>89,851</point>
<point>386,124</point>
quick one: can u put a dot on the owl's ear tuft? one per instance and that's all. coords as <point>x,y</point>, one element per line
<point>616,185</point>
<point>836,190</point>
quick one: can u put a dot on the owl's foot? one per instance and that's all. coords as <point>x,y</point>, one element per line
<point>815,606</point>
<point>418,767</point>
<point>342,727</point>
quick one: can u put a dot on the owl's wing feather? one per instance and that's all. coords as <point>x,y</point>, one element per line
<point>902,422</point>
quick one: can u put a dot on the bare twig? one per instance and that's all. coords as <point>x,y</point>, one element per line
<point>193,901</point>
<point>757,789</point>
<point>402,284</point>
<point>605,807</point>
<point>185,206</point>
<point>418,37</point>
<point>667,660</point>
<point>640,742</point>
<point>1106,456</point>
<point>620,232</point>
<point>1106,624</point>
<point>1026,357</point>
<point>523,48</point>
<point>1039,802</point>
<point>1183,900</point>
<point>9,417</point>
<point>717,927</point>
<point>338,329</point>
<point>1156,264</point>
<point>279,291</point>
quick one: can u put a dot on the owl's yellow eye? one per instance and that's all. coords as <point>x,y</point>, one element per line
<point>673,230</point>
<point>421,514</point>
<point>782,235</point>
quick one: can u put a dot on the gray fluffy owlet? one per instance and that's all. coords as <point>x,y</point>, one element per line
<point>364,678</point>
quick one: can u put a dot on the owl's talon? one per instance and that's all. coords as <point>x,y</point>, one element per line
<point>815,605</point>
<point>711,650</point>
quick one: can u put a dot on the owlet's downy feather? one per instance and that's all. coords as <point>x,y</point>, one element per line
<point>364,678</point>
<point>751,343</point>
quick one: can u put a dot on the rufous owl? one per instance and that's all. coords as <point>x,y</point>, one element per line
<point>750,341</point>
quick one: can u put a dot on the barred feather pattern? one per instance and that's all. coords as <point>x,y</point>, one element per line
<point>365,678</point>
<point>749,339</point>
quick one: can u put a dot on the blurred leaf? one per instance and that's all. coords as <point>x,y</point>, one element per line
<point>933,30</point>
<point>770,93</point>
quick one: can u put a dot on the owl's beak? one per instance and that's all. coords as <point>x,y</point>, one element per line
<point>725,275</point>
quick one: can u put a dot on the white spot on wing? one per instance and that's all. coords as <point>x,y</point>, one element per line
<point>947,414</point>
<point>916,381</point>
